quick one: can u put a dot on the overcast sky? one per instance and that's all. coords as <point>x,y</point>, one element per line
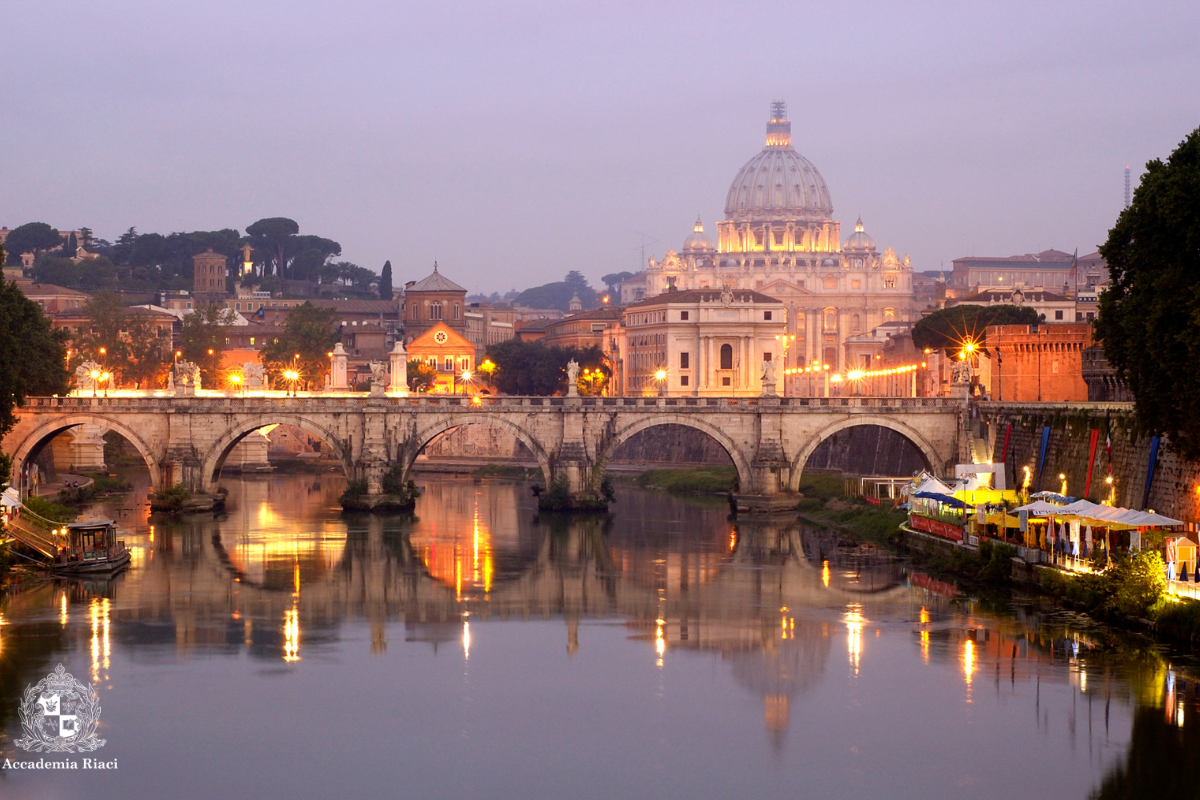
<point>515,141</point>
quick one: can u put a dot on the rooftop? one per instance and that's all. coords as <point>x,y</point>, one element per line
<point>704,296</point>
<point>435,283</point>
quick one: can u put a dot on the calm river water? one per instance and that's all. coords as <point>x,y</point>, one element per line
<point>473,650</point>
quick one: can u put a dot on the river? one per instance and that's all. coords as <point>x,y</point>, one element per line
<point>474,650</point>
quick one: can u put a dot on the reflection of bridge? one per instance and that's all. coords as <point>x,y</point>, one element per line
<point>186,440</point>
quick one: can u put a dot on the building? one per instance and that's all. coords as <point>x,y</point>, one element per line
<point>489,324</point>
<point>699,342</point>
<point>1104,383</point>
<point>1050,269</point>
<point>779,238</point>
<point>1050,306</point>
<point>432,300</point>
<point>1038,363</point>
<point>52,299</point>
<point>584,329</point>
<point>451,353</point>
<point>208,279</point>
<point>534,330</point>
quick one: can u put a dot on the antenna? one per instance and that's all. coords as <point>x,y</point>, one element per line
<point>642,247</point>
<point>1127,187</point>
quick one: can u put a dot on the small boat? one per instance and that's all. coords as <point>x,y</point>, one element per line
<point>90,547</point>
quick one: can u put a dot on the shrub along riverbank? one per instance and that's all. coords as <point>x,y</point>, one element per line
<point>689,480</point>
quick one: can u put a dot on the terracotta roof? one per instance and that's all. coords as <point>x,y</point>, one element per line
<point>703,296</point>
<point>27,286</point>
<point>436,282</point>
<point>359,306</point>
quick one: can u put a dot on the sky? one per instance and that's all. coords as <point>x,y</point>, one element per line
<point>513,142</point>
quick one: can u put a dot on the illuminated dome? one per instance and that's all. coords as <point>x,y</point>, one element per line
<point>778,183</point>
<point>698,242</point>
<point>859,240</point>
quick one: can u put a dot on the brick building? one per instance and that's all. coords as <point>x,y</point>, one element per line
<point>1038,363</point>
<point>434,299</point>
<point>208,277</point>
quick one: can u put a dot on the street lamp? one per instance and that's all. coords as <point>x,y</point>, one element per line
<point>661,377</point>
<point>292,376</point>
<point>466,378</point>
<point>95,381</point>
<point>236,380</point>
<point>1062,477</point>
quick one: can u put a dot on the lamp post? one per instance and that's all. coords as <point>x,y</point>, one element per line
<point>661,377</point>
<point>95,381</point>
<point>292,376</point>
<point>466,378</point>
<point>236,380</point>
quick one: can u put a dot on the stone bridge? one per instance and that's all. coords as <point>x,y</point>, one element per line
<point>186,440</point>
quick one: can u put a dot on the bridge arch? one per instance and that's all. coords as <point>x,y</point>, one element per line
<point>34,441</point>
<point>423,436</point>
<point>934,461</point>
<point>740,461</point>
<point>214,459</point>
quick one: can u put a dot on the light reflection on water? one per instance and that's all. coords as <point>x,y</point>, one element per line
<point>662,651</point>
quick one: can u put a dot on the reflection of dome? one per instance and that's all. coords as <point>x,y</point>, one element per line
<point>859,240</point>
<point>698,242</point>
<point>778,182</point>
<point>788,668</point>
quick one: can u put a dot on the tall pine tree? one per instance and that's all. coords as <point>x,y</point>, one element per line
<point>385,282</point>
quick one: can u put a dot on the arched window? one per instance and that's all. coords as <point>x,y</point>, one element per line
<point>889,314</point>
<point>831,319</point>
<point>457,311</point>
<point>414,312</point>
<point>435,310</point>
<point>726,356</point>
<point>449,364</point>
<point>856,323</point>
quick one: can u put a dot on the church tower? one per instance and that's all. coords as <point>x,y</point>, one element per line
<point>208,278</point>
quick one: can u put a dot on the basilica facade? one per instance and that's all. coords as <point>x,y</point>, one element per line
<point>779,238</point>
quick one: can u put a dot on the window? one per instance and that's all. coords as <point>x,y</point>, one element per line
<point>855,284</point>
<point>725,381</point>
<point>766,356</point>
<point>889,281</point>
<point>856,324</point>
<point>830,319</point>
<point>683,361</point>
<point>1091,315</point>
<point>252,341</point>
<point>449,364</point>
<point>726,358</point>
<point>237,306</point>
<point>1058,315</point>
<point>830,282</point>
<point>435,310</point>
<point>889,314</point>
<point>683,380</point>
<point>414,312</point>
<point>457,311</point>
<point>1054,367</point>
<point>683,316</point>
<point>767,316</point>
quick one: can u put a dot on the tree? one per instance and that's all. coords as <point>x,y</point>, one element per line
<point>613,281</point>
<point>202,340</point>
<point>309,332</point>
<point>32,237</point>
<point>1150,313</point>
<point>106,322</point>
<point>953,327</point>
<point>533,369</point>
<point>421,376</point>
<point>272,236</point>
<point>558,295</point>
<point>385,282</point>
<point>32,356</point>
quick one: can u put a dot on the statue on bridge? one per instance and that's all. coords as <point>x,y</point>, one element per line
<point>379,377</point>
<point>187,376</point>
<point>83,376</point>
<point>253,376</point>
<point>960,372</point>
<point>572,378</point>
<point>768,379</point>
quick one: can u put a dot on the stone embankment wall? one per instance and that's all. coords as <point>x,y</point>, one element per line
<point>867,450</point>
<point>1174,488</point>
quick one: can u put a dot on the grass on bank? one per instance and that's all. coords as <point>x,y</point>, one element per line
<point>824,501</point>
<point>689,480</point>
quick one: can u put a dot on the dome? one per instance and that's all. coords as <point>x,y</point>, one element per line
<point>698,242</point>
<point>859,240</point>
<point>778,182</point>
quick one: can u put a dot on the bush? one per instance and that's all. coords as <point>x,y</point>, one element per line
<point>48,510</point>
<point>354,488</point>
<point>171,498</point>
<point>1135,584</point>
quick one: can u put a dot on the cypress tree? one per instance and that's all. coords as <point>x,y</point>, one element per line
<point>385,282</point>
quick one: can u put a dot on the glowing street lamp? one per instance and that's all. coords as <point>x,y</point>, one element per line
<point>661,377</point>
<point>95,381</point>
<point>466,378</point>
<point>292,376</point>
<point>236,380</point>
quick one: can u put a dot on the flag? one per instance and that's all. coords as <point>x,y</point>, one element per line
<point>1108,441</point>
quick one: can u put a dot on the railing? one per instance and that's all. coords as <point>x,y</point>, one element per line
<point>233,403</point>
<point>24,527</point>
<point>1184,589</point>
